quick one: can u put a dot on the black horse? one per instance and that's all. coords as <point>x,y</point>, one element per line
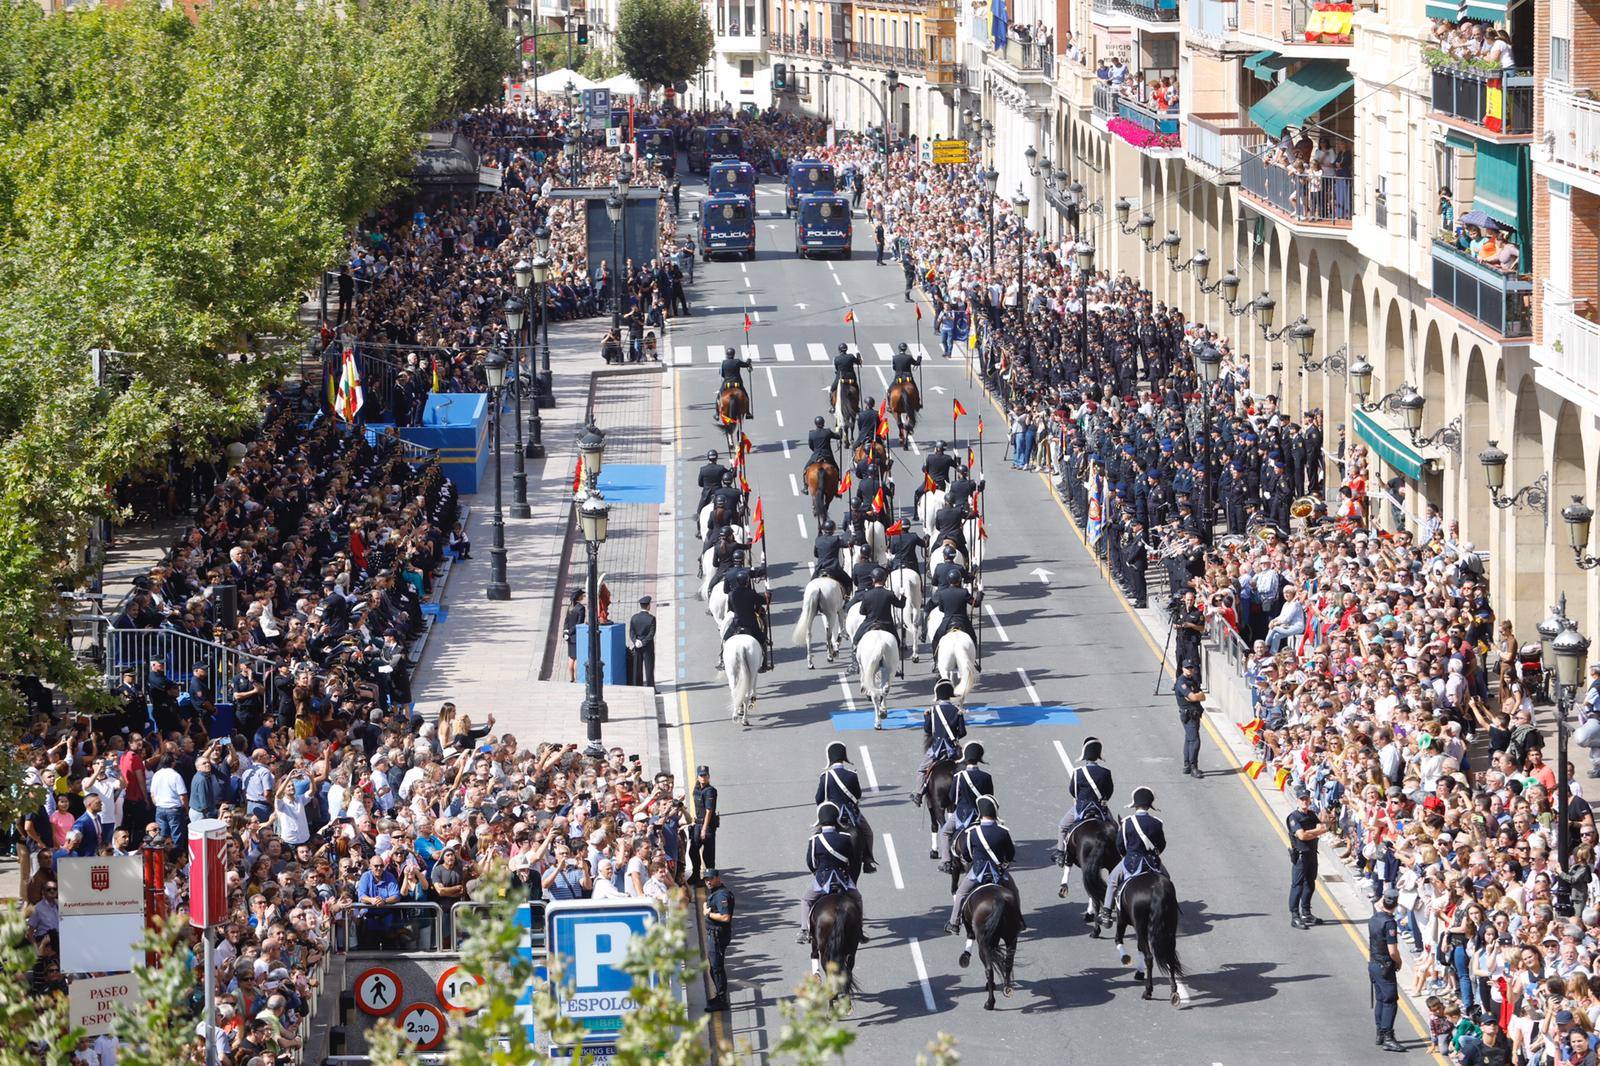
<point>993,917</point>
<point>835,935</point>
<point>1149,903</point>
<point>1092,847</point>
<point>939,780</point>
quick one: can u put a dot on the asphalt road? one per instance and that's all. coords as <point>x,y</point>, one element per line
<point>1065,660</point>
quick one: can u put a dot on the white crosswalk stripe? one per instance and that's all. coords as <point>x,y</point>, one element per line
<point>818,352</point>
<point>682,354</point>
<point>714,354</point>
<point>751,352</point>
<point>783,352</point>
<point>920,351</point>
<point>884,352</point>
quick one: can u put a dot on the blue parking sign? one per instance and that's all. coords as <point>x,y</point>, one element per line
<point>591,939</point>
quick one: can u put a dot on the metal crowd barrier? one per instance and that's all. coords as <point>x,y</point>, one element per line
<point>428,925</point>
<point>180,653</point>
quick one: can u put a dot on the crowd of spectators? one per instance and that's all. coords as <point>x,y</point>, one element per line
<point>1318,175</point>
<point>1473,41</point>
<point>1488,242</point>
<point>1157,93</point>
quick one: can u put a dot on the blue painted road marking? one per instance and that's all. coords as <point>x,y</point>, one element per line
<point>911,717</point>
<point>634,483</point>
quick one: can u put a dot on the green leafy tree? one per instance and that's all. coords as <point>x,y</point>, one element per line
<point>158,1028</point>
<point>33,1029</point>
<point>660,42</point>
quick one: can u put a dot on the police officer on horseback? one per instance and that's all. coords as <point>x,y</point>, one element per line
<point>877,608</point>
<point>710,477</point>
<point>838,784</point>
<point>970,782</point>
<point>844,369</point>
<point>989,852</point>
<point>726,557</point>
<point>1091,788</point>
<point>906,548</point>
<point>860,577</point>
<point>905,362</point>
<point>962,488</point>
<point>727,497</point>
<point>943,726</point>
<point>826,549</point>
<point>867,420</point>
<point>936,465</point>
<point>820,441</point>
<point>747,611</point>
<point>1141,839</point>
<point>949,523</point>
<point>948,568</point>
<point>834,863</point>
<point>952,602</point>
<point>732,378</point>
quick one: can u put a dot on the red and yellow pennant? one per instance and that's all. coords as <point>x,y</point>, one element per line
<point>1280,778</point>
<point>971,459</point>
<point>849,318</point>
<point>896,529</point>
<point>844,486</point>
<point>1254,768</point>
<point>747,324</point>
<point>957,408</point>
<point>928,484</point>
<point>980,427</point>
<point>877,502</point>
<point>759,521</point>
<point>983,530</point>
<point>745,447</point>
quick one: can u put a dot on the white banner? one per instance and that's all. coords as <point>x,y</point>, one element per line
<point>110,885</point>
<point>93,1001</point>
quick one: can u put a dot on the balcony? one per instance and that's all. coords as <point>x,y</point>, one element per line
<point>1209,24</point>
<point>1285,24</point>
<point>1216,144</point>
<point>555,9</point>
<point>1026,58</point>
<point>1140,124</point>
<point>1498,300</point>
<point>1162,13</point>
<point>1305,203</point>
<point>886,57</point>
<point>734,41</point>
<point>1571,138</point>
<point>1571,345</point>
<point>787,44</point>
<point>1492,104</point>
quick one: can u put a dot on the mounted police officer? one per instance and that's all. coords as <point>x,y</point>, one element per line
<point>936,465</point>
<point>952,602</point>
<point>833,860</point>
<point>962,488</point>
<point>943,726</point>
<point>726,558</point>
<point>867,420</point>
<point>905,362</point>
<point>987,847</point>
<point>838,784</point>
<point>906,548</point>
<point>1141,839</point>
<point>860,578</point>
<point>820,441</point>
<point>727,496</point>
<point>710,477</point>
<point>826,549</point>
<point>731,377</point>
<point>844,369</point>
<point>1091,788</point>
<point>747,610</point>
<point>877,609</point>
<point>949,525</point>
<point>1383,967</point>
<point>970,782</point>
<point>948,567</point>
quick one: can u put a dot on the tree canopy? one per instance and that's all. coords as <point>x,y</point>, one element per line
<point>660,42</point>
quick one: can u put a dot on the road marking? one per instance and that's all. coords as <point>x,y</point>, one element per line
<point>751,297</point>
<point>818,353</point>
<point>751,352</point>
<point>844,295</point>
<point>844,685</point>
<point>884,378</point>
<point>866,764</point>
<point>884,352</point>
<point>919,350</point>
<point>779,416</point>
<point>922,974</point>
<point>913,442</point>
<point>894,860</point>
<point>1065,761</point>
<point>800,520</point>
<point>743,268</point>
<point>682,354</point>
<point>772,384</point>
<point>837,282</point>
<point>714,354</point>
<point>794,485</point>
<point>784,352</point>
<point>999,629</point>
<point>756,315</point>
<point>1033,693</point>
<point>786,449</point>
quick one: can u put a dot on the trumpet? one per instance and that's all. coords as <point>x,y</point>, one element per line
<point>1263,528</point>
<point>1303,507</point>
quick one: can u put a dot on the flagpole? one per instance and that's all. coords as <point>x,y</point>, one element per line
<point>920,390</point>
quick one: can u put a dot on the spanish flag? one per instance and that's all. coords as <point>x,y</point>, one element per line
<point>745,446</point>
<point>928,484</point>
<point>980,427</point>
<point>844,486</point>
<point>897,528</point>
<point>577,476</point>
<point>747,324</point>
<point>983,530</point>
<point>877,502</point>
<point>959,410</point>
<point>1280,778</point>
<point>850,317</point>
<point>1254,768</point>
<point>759,522</point>
<point>971,459</point>
<point>744,486</point>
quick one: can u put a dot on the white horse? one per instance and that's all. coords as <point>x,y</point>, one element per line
<point>974,543</point>
<point>823,596</point>
<point>907,583</point>
<point>956,657</point>
<point>703,523</point>
<point>927,508</point>
<point>877,542</point>
<point>878,658</point>
<point>717,606</point>
<point>741,653</point>
<point>708,568</point>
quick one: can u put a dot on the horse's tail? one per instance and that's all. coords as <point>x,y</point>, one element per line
<point>991,947</point>
<point>1096,855</point>
<point>1164,926</point>
<point>741,679</point>
<point>967,657</point>
<point>837,948</point>
<point>808,613</point>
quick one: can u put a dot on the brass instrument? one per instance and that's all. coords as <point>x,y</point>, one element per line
<point>1303,507</point>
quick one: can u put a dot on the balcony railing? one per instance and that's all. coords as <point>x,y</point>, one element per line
<point>1571,342</point>
<point>1499,300</point>
<point>788,44</point>
<point>1213,19</point>
<point>887,56</point>
<point>1105,100</point>
<point>1498,103</point>
<point>1288,22</point>
<point>1219,142</point>
<point>1295,196</point>
<point>1144,10</point>
<point>1572,129</point>
<point>1025,55</point>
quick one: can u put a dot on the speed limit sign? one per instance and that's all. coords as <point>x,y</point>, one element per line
<point>453,984</point>
<point>423,1025</point>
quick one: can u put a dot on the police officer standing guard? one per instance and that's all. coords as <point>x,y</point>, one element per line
<point>1304,830</point>
<point>1191,700</point>
<point>1383,967</point>
<point>703,833</point>
<point>719,931</point>
<point>642,646</point>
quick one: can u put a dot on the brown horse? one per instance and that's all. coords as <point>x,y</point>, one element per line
<point>732,406</point>
<point>822,485</point>
<point>875,450</point>
<point>905,401</point>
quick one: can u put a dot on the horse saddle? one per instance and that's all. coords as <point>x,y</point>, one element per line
<point>834,881</point>
<point>1158,870</point>
<point>905,379</point>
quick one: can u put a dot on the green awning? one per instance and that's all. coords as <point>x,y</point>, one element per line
<point>1482,10</point>
<point>1302,94</point>
<point>1442,11</point>
<point>1504,183</point>
<point>1266,65</point>
<point>1401,457</point>
<point>1457,139</point>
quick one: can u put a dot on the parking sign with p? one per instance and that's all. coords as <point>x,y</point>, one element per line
<point>591,938</point>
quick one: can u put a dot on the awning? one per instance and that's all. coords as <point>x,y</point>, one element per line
<point>1481,10</point>
<point>1463,141</point>
<point>1265,65</point>
<point>1302,94</point>
<point>1503,186</point>
<point>1441,11</point>
<point>1393,450</point>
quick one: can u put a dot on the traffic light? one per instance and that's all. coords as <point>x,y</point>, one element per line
<point>780,77</point>
<point>583,33</point>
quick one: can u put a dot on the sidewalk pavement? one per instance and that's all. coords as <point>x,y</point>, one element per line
<point>508,658</point>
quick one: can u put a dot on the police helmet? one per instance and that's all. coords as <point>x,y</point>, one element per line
<point>941,446</point>
<point>1143,798</point>
<point>741,577</point>
<point>951,579</point>
<point>827,813</point>
<point>837,752</point>
<point>987,807</point>
<point>869,404</point>
<point>817,421</point>
<point>879,575</point>
<point>844,349</point>
<point>727,477</point>
<point>1091,750</point>
<point>738,556</point>
<point>944,690</point>
<point>727,532</point>
<point>828,526</point>
<point>973,752</point>
<point>902,348</point>
<point>711,456</point>
<point>949,553</point>
<point>729,353</point>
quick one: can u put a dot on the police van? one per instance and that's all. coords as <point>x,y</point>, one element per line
<point>710,144</point>
<point>731,176</point>
<point>728,226</point>
<point>806,177</point>
<point>822,225</point>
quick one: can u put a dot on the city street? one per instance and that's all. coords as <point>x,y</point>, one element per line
<point>1062,660</point>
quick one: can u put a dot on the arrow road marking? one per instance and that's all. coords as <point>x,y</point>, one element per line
<point>1033,693</point>
<point>1041,573</point>
<point>999,629</point>
<point>801,306</point>
<point>940,389</point>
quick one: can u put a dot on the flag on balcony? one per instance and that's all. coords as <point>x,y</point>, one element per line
<point>998,22</point>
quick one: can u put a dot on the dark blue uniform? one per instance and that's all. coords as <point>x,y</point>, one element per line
<point>839,785</point>
<point>906,550</point>
<point>820,441</point>
<point>1091,788</point>
<point>832,859</point>
<point>877,611</point>
<point>988,849</point>
<point>944,725</point>
<point>969,783</point>
<point>952,602</point>
<point>1382,931</point>
<point>720,902</point>
<point>1141,839</point>
<point>1303,862</point>
<point>827,549</point>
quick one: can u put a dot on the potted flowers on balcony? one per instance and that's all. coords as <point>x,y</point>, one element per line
<point>1140,137</point>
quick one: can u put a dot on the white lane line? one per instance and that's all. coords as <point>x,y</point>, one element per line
<point>751,352</point>
<point>882,377</point>
<point>744,268</point>
<point>844,295</point>
<point>866,764</point>
<point>779,416</point>
<point>913,441</point>
<point>772,384</point>
<point>837,282</point>
<point>884,352</point>
<point>999,629</point>
<point>894,861</point>
<point>784,352</point>
<point>849,700</point>
<point>817,352</point>
<point>786,449</point>
<point>751,297</point>
<point>800,520</point>
<point>794,485</point>
<point>922,974</point>
<point>1065,761</point>
<point>757,316</point>
<point>1033,693</point>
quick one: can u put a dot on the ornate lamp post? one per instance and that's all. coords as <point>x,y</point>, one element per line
<point>515,309</point>
<point>494,369</point>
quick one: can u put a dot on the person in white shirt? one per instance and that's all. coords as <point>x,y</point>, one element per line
<point>106,781</point>
<point>1290,623</point>
<point>418,772</point>
<point>383,798</point>
<point>289,810</point>
<point>604,886</point>
<point>171,799</point>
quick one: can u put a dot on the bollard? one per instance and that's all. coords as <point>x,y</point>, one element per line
<point>347,1006</point>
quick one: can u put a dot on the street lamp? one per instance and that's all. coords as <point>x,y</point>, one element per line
<point>1577,516</point>
<point>1567,650</point>
<point>569,149</point>
<point>514,312</point>
<point>1209,361</point>
<point>1022,247</point>
<point>1084,251</point>
<point>547,391</point>
<point>592,454</point>
<point>1535,495</point>
<point>614,212</point>
<point>541,274</point>
<point>990,179</point>
<point>594,515</point>
<point>494,371</point>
